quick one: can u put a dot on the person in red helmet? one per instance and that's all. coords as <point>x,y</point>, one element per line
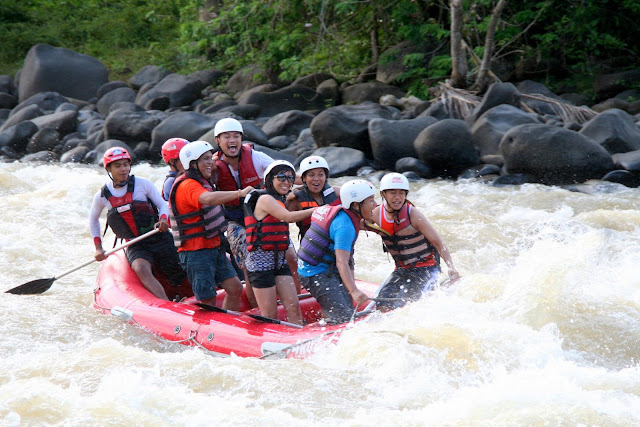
<point>171,156</point>
<point>134,207</point>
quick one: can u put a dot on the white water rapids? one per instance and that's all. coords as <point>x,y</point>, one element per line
<point>543,328</point>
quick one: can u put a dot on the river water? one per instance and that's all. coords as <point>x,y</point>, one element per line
<point>543,328</point>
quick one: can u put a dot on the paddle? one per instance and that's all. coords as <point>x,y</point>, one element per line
<point>39,286</point>
<point>255,316</point>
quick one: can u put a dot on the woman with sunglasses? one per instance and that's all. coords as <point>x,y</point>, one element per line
<point>267,227</point>
<point>315,191</point>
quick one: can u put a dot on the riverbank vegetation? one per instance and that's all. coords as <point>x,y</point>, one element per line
<point>561,43</point>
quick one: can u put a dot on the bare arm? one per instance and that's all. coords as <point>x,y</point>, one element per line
<point>267,205</point>
<point>293,203</point>
<point>348,279</point>
<point>420,222</point>
<point>222,197</point>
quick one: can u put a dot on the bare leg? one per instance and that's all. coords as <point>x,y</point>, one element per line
<point>253,302</point>
<point>142,267</point>
<point>292,261</point>
<point>233,288</point>
<point>289,297</point>
<point>267,301</point>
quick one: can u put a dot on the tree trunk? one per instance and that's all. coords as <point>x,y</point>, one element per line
<point>209,10</point>
<point>458,57</point>
<point>482,81</point>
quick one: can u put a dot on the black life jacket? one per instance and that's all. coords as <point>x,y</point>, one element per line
<point>329,197</point>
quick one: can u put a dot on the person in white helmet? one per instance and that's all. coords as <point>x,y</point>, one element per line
<point>413,243</point>
<point>198,223</point>
<point>328,246</point>
<point>238,166</point>
<point>315,191</point>
<point>267,227</point>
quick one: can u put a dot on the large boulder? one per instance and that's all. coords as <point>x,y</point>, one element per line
<point>369,91</point>
<point>392,140</point>
<point>188,125</point>
<point>64,122</point>
<point>343,161</point>
<point>180,91</point>
<point>447,147</point>
<point>131,126</point>
<point>288,123</point>
<point>498,93</point>
<point>56,69</point>
<point>27,113</point>
<point>284,99</point>
<point>120,94</point>
<point>489,129</point>
<point>46,101</point>
<point>615,130</point>
<point>17,136</point>
<point>554,155</point>
<point>149,74</point>
<point>348,125</point>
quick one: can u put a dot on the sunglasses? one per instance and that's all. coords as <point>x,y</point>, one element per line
<point>283,177</point>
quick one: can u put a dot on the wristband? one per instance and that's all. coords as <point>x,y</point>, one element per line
<point>239,194</point>
<point>97,241</point>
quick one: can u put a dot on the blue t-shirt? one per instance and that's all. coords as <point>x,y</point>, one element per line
<point>168,183</point>
<point>343,234</point>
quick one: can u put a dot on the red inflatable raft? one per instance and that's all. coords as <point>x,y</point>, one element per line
<point>245,334</point>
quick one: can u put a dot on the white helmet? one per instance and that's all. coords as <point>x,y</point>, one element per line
<point>227,125</point>
<point>192,151</point>
<point>355,191</point>
<point>278,163</point>
<point>313,162</point>
<point>394,181</point>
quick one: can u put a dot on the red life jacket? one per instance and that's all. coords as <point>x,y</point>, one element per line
<point>210,223</point>
<point>329,197</point>
<point>227,182</point>
<point>406,244</point>
<point>268,234</point>
<point>315,244</point>
<point>129,218</point>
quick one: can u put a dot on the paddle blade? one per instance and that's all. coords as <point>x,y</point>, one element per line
<point>33,287</point>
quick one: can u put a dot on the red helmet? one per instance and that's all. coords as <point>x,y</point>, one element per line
<point>171,148</point>
<point>113,154</point>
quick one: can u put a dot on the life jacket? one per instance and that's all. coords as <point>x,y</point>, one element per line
<point>170,176</point>
<point>211,221</point>
<point>129,218</point>
<point>316,241</point>
<point>227,182</point>
<point>268,234</point>
<point>329,197</point>
<point>407,245</point>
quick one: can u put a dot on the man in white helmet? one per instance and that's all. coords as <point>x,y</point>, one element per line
<point>328,246</point>
<point>413,243</point>
<point>198,223</point>
<point>238,166</point>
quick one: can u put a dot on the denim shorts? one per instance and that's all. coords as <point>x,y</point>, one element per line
<point>407,284</point>
<point>331,294</point>
<point>206,269</point>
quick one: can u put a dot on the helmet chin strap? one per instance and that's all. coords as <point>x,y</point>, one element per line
<point>122,184</point>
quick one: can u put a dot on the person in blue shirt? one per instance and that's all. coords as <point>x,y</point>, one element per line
<point>324,266</point>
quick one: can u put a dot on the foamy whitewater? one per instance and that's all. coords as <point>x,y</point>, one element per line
<point>542,329</point>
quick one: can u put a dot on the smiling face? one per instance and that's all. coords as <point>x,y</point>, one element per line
<point>283,181</point>
<point>366,208</point>
<point>395,198</point>
<point>230,143</point>
<point>205,164</point>
<point>315,180</point>
<point>119,170</point>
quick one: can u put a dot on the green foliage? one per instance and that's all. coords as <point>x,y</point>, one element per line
<point>567,41</point>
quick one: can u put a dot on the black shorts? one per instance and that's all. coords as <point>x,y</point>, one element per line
<point>267,279</point>
<point>161,252</point>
